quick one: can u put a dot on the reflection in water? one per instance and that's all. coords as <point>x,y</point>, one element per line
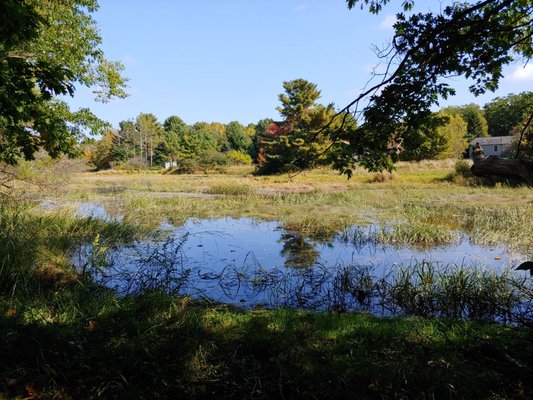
<point>297,251</point>
<point>425,289</point>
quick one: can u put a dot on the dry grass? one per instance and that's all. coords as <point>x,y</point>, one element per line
<point>310,181</point>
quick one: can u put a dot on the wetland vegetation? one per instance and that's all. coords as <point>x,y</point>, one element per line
<point>426,328</point>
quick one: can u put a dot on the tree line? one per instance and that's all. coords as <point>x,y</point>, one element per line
<point>308,134</point>
<point>49,48</point>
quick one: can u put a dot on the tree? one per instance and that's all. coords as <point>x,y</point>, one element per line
<point>102,156</point>
<point>455,134</point>
<point>202,139</point>
<point>237,138</point>
<point>505,115</point>
<point>261,133</point>
<point>471,40</point>
<point>475,120</point>
<point>438,142</point>
<point>299,141</point>
<point>174,146</point>
<point>150,131</point>
<point>127,139</point>
<point>46,50</point>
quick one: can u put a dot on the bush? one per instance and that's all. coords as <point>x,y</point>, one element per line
<point>186,166</point>
<point>230,189</point>
<point>462,168</point>
<point>382,176</point>
<point>236,157</point>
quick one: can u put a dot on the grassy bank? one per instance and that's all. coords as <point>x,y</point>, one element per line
<point>155,346</point>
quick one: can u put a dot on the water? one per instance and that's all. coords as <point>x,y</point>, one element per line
<point>85,209</point>
<point>255,263</point>
<point>94,210</point>
<point>217,242</point>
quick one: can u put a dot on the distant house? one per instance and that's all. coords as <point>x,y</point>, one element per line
<point>168,164</point>
<point>493,146</point>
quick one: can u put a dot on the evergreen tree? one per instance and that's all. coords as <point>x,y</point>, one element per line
<point>302,139</point>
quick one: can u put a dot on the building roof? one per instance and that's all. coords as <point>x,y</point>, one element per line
<point>492,140</point>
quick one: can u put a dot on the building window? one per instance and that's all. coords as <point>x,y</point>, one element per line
<point>495,147</point>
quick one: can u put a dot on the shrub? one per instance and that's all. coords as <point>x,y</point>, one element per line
<point>187,166</point>
<point>236,157</point>
<point>382,176</point>
<point>230,189</point>
<point>462,168</point>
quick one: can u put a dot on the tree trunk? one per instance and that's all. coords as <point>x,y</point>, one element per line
<point>517,169</point>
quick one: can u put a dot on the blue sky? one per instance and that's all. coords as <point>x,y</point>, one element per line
<point>226,60</point>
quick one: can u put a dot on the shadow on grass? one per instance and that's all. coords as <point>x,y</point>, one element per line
<point>155,346</point>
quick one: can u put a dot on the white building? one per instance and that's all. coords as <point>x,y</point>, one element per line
<point>168,164</point>
<point>499,146</point>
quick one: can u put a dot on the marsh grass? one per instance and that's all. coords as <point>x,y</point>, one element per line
<point>415,234</point>
<point>35,245</point>
<point>429,212</point>
<point>459,292</point>
<point>316,226</point>
<point>229,189</point>
<point>487,223</point>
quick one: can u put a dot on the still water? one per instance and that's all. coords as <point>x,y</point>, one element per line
<point>256,263</point>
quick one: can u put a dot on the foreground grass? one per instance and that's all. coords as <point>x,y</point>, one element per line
<point>155,346</point>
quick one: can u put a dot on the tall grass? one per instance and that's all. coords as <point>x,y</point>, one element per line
<point>458,292</point>
<point>35,245</point>
<point>230,189</point>
<point>415,234</point>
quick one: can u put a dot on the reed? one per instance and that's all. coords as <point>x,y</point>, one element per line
<point>35,245</point>
<point>459,292</point>
<point>229,189</point>
<point>417,234</point>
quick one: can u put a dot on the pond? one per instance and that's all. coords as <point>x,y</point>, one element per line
<point>253,263</point>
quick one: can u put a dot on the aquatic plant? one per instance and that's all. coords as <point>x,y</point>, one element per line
<point>229,189</point>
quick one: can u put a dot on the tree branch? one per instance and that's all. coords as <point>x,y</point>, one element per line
<point>528,123</point>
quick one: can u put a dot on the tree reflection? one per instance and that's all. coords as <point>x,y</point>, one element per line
<point>297,251</point>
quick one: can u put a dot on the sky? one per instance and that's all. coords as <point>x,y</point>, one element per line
<point>226,60</point>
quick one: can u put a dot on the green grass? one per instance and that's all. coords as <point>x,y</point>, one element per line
<point>156,346</point>
<point>458,292</point>
<point>35,245</point>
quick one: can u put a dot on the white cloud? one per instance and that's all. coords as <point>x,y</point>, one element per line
<point>388,22</point>
<point>300,8</point>
<point>522,73</point>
